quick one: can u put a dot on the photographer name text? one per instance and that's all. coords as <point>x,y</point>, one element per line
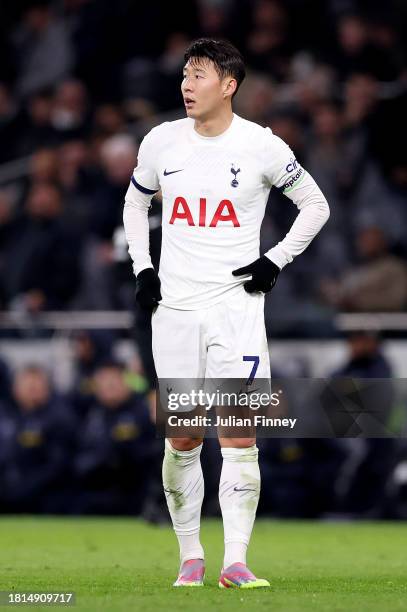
<point>230,421</point>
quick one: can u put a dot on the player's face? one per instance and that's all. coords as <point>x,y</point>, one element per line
<point>202,89</point>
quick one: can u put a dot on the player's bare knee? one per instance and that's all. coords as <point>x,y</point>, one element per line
<point>237,442</point>
<point>185,444</point>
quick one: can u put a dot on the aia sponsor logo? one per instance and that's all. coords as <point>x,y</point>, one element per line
<point>224,213</point>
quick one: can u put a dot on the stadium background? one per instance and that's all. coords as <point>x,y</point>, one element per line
<point>81,82</point>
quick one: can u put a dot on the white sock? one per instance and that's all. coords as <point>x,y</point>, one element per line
<point>239,492</point>
<point>184,490</point>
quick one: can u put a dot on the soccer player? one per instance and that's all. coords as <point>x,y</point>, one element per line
<point>215,170</point>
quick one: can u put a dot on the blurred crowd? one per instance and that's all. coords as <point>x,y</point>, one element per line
<point>93,448</point>
<point>57,456</point>
<point>82,81</point>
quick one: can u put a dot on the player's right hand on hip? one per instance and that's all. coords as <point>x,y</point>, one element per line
<point>148,286</point>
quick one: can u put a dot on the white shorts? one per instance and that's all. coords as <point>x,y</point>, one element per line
<point>226,340</point>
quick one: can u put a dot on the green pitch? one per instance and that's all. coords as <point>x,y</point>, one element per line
<point>126,565</point>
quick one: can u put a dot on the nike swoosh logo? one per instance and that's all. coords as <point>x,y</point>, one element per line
<point>172,171</point>
<point>238,490</point>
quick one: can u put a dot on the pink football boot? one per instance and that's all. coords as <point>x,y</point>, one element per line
<point>191,574</point>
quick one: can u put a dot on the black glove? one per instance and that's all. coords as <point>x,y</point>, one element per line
<point>148,289</point>
<point>264,275</point>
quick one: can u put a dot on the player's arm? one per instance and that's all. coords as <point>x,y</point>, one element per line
<point>288,176</point>
<point>143,185</point>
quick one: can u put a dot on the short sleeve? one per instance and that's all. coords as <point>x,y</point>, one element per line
<point>145,176</point>
<point>281,169</point>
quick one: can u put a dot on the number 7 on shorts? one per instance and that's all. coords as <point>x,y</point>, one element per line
<point>256,361</point>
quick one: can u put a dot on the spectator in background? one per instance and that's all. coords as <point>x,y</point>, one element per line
<point>97,33</point>
<point>90,349</point>
<point>38,131</point>
<point>368,46</point>
<point>170,67</point>
<point>116,447</point>
<point>287,126</point>
<point>118,155</point>
<point>365,358</point>
<point>70,114</point>
<point>108,120</point>
<point>301,476</point>
<point>43,166</point>
<point>213,18</point>
<point>336,156</point>
<point>377,284</point>
<point>255,98</point>
<point>36,469</point>
<point>43,50</point>
<point>352,38</point>
<point>77,176</point>
<point>333,156</point>
<point>269,48</point>
<point>361,93</point>
<point>11,125</point>
<point>41,257</point>
<point>312,84</point>
<point>371,460</point>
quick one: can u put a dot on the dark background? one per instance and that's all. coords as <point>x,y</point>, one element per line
<point>81,82</point>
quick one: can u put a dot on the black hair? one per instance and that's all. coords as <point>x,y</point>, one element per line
<point>228,61</point>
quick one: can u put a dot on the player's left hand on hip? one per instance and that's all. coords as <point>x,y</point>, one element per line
<point>264,275</point>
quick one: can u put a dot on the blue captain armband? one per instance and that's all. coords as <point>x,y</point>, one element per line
<point>143,189</point>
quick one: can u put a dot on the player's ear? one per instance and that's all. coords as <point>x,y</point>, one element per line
<point>229,87</point>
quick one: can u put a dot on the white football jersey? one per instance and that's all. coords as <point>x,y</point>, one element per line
<point>215,191</point>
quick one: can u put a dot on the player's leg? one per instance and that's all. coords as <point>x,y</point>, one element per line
<point>184,492</point>
<point>239,492</point>
<point>176,350</point>
<point>240,333</point>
